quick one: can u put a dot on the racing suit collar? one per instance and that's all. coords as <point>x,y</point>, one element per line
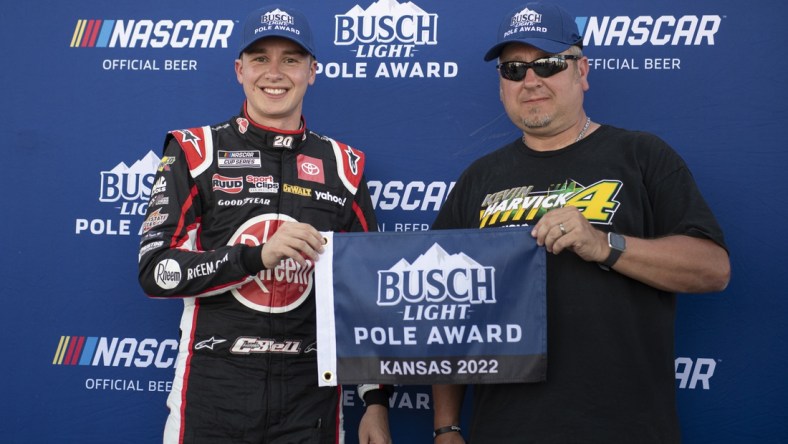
<point>269,137</point>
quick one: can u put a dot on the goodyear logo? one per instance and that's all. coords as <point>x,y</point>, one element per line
<point>115,352</point>
<point>98,33</point>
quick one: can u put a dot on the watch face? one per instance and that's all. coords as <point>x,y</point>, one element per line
<point>617,241</point>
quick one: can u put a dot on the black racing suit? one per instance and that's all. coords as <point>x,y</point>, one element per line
<point>247,362</point>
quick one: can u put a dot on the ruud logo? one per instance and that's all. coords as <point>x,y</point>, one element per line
<point>232,185</point>
<point>436,276</point>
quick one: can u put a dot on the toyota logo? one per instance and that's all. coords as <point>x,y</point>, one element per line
<point>310,168</point>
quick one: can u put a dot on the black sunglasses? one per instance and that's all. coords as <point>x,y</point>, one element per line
<point>544,67</point>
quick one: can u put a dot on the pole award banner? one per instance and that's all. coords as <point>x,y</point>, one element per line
<point>432,307</point>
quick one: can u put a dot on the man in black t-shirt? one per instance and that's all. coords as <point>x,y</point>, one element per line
<point>625,228</point>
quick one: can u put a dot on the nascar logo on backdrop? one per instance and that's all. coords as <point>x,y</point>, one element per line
<point>147,35</point>
<point>662,32</point>
<point>141,359</point>
<point>386,37</point>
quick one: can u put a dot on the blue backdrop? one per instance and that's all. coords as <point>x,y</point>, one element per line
<point>91,87</point>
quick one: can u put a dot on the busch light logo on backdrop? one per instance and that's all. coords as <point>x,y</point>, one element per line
<point>128,188</point>
<point>129,183</point>
<point>667,33</point>
<point>387,29</point>
<point>396,27</point>
<point>437,276</point>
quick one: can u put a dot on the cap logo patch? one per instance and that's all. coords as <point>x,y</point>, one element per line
<point>526,17</point>
<point>277,17</point>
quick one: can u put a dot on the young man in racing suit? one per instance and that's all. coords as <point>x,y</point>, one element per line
<point>233,228</point>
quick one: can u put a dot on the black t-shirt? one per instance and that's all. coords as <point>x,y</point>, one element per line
<point>610,375</point>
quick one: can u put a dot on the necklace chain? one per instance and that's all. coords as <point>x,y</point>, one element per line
<point>585,128</point>
<point>579,136</point>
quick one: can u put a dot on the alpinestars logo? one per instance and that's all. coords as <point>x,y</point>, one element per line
<point>99,33</point>
<point>209,343</point>
<point>523,205</point>
<point>352,159</point>
<point>436,276</point>
<point>192,138</point>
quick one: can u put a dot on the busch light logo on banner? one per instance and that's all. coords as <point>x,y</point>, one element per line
<point>451,306</point>
<point>461,279</point>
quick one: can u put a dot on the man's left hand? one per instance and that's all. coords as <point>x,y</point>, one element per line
<point>374,426</point>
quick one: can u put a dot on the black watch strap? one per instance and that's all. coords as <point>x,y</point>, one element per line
<point>617,244</point>
<point>447,429</point>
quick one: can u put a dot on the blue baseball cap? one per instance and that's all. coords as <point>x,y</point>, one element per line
<point>278,21</point>
<point>542,25</point>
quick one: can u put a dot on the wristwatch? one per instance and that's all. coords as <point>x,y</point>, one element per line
<point>617,244</point>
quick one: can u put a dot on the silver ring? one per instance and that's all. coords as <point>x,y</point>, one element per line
<point>561,227</point>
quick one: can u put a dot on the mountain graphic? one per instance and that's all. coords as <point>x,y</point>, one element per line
<point>525,17</point>
<point>386,8</point>
<point>281,17</point>
<point>146,165</point>
<point>436,257</point>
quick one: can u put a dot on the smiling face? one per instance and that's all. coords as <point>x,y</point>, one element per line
<point>544,107</point>
<point>275,74</point>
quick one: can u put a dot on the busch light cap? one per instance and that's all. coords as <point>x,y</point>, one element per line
<point>542,25</point>
<point>277,21</point>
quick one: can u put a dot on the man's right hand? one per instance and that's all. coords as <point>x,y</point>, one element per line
<point>294,240</point>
